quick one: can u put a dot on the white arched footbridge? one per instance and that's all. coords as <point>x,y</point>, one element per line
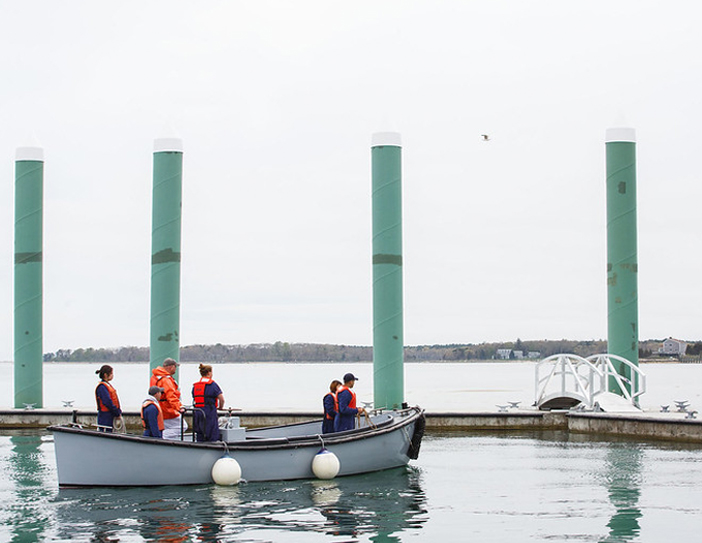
<point>566,380</point>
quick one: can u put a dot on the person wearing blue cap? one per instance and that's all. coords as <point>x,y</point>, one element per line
<point>346,408</point>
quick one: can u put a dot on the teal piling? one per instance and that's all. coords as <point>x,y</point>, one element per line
<point>28,332</point>
<point>622,263</point>
<point>388,344</point>
<point>165,250</point>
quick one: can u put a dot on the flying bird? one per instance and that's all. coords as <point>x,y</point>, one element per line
<point>485,137</point>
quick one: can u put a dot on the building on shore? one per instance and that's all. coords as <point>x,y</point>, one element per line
<point>673,347</point>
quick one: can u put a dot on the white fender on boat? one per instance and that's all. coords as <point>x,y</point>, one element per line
<point>325,465</point>
<point>226,471</point>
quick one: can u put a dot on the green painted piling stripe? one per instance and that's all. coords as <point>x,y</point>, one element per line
<point>387,259</point>
<point>165,256</point>
<point>26,258</point>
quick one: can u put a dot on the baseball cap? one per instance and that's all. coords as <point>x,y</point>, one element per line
<point>154,390</point>
<point>350,377</point>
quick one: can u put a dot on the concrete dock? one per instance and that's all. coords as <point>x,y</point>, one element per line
<point>674,426</point>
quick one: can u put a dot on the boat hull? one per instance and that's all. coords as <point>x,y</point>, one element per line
<point>91,458</point>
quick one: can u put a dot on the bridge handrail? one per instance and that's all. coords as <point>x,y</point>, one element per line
<point>590,377</point>
<point>630,388</point>
<point>563,366</point>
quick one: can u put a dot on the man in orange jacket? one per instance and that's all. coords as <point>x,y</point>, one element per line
<point>171,407</point>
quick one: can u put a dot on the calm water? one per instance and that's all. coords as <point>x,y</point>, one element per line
<point>463,487</point>
<point>470,487</point>
<point>450,387</point>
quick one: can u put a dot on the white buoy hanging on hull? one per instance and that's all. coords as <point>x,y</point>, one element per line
<point>226,471</point>
<point>325,465</point>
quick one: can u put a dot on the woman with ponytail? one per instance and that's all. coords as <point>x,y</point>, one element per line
<point>207,398</point>
<point>107,400</point>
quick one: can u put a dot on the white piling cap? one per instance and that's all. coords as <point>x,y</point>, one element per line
<point>30,153</point>
<point>620,134</point>
<point>168,144</point>
<point>380,139</point>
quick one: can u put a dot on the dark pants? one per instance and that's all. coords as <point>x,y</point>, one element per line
<point>327,426</point>
<point>105,418</point>
<point>344,422</point>
<point>206,426</point>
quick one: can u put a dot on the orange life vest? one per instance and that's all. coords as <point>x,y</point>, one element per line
<point>352,402</point>
<point>160,414</point>
<point>336,405</point>
<point>113,396</point>
<point>199,392</point>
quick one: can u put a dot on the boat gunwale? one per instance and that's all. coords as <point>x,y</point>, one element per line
<point>305,422</point>
<point>258,443</point>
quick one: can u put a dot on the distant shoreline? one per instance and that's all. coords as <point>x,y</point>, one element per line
<point>310,353</point>
<point>283,351</point>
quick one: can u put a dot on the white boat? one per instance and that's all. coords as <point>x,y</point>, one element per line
<point>87,457</point>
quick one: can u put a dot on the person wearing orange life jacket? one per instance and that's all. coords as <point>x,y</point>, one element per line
<point>329,403</point>
<point>207,398</point>
<point>151,414</point>
<point>171,407</point>
<point>346,404</point>
<point>107,400</point>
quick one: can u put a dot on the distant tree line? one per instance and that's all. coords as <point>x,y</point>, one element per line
<point>120,354</point>
<point>317,352</point>
<point>261,352</point>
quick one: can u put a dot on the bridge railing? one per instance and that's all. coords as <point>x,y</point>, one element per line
<point>569,376</point>
<point>612,380</point>
<point>566,376</point>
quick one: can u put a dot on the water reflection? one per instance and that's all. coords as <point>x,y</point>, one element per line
<point>623,476</point>
<point>379,506</point>
<point>367,505</point>
<point>29,514</point>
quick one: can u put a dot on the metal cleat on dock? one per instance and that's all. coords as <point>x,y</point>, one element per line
<point>514,405</point>
<point>691,415</point>
<point>665,408</point>
<point>68,403</point>
<point>502,408</point>
<point>29,406</point>
<point>682,405</point>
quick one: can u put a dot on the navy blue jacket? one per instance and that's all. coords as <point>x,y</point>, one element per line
<point>329,413</point>
<point>151,420</point>
<point>106,418</point>
<point>345,417</point>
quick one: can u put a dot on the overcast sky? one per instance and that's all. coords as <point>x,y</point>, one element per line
<point>276,103</point>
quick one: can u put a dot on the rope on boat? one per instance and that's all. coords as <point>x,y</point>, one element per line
<point>118,425</point>
<point>369,422</point>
